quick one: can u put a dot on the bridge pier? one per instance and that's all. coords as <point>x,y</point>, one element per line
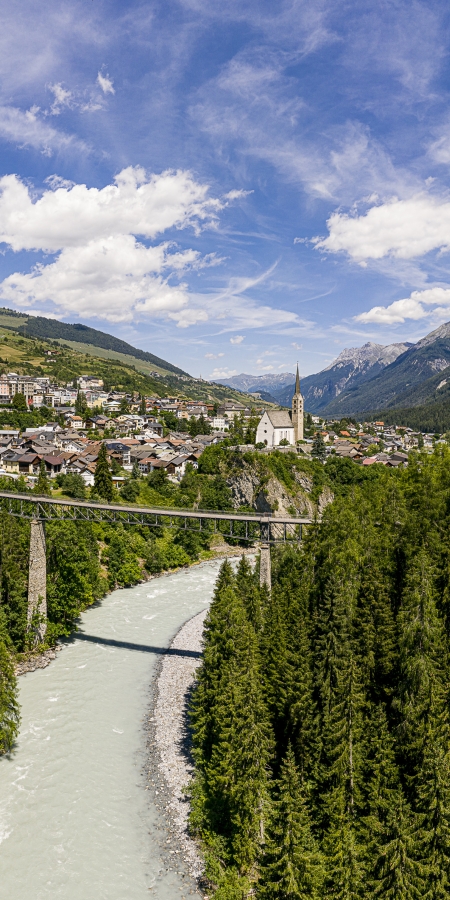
<point>264,566</point>
<point>37,582</point>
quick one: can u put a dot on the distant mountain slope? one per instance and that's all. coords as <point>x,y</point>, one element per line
<point>412,379</point>
<point>352,368</point>
<point>271,384</point>
<point>52,329</point>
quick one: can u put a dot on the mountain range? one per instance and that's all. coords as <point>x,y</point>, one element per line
<point>271,385</point>
<point>371,377</point>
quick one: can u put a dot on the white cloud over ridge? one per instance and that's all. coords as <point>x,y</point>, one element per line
<point>419,305</point>
<point>101,269</point>
<point>403,229</point>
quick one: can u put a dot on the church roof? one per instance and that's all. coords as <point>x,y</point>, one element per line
<point>280,418</point>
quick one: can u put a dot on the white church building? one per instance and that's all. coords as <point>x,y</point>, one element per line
<point>277,425</point>
<point>274,427</point>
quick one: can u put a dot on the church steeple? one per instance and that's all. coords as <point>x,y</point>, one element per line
<point>297,410</point>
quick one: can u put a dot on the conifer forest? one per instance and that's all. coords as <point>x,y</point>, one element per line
<point>321,713</point>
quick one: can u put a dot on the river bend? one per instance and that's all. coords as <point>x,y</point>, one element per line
<point>76,822</point>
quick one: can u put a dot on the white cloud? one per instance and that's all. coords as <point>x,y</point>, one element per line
<point>101,269</point>
<point>238,339</point>
<point>62,96</point>
<point>71,217</point>
<point>237,194</point>
<point>27,129</point>
<point>105,83</point>
<point>223,373</point>
<point>403,229</point>
<point>412,307</point>
<point>213,355</point>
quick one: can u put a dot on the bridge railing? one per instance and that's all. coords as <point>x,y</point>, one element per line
<point>240,526</point>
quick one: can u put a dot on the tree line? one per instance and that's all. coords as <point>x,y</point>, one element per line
<point>321,712</point>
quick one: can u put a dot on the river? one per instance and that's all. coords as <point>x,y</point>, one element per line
<point>75,819</point>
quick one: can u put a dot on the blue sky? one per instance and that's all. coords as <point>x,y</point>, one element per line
<point>233,186</point>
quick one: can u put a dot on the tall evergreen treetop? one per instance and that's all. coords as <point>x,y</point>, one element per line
<point>103,484</point>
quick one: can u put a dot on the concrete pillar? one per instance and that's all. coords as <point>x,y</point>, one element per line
<point>37,581</point>
<point>264,566</point>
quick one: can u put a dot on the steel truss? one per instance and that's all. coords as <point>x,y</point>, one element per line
<point>246,527</point>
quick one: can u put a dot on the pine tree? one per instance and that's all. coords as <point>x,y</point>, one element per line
<point>103,484</point>
<point>341,786</point>
<point>433,802</point>
<point>237,774</point>
<point>248,588</point>
<point>318,447</point>
<point>9,706</point>
<point>292,867</point>
<point>398,874</point>
<point>274,663</point>
<point>42,485</point>
<point>302,724</point>
<point>423,695</point>
<point>142,407</point>
<point>391,846</point>
<point>81,404</point>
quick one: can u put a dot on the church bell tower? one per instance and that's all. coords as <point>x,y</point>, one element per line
<point>297,410</point>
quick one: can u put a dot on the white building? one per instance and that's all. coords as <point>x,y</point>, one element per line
<point>275,426</point>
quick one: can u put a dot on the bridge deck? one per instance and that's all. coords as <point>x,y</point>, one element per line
<point>253,526</point>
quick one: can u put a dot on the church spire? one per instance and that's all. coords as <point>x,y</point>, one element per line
<point>297,382</point>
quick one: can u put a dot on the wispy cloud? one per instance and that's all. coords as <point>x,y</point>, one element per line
<point>105,83</point>
<point>29,129</point>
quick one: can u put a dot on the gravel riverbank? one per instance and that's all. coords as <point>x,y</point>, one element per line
<point>170,765</point>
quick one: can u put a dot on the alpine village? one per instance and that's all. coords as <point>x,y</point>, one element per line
<point>319,717</point>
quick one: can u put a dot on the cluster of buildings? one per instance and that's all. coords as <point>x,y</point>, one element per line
<point>41,391</point>
<point>69,451</point>
<point>394,443</point>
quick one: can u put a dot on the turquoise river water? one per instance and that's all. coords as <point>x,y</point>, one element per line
<point>76,822</point>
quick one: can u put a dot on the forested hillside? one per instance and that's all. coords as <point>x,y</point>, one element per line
<point>321,712</point>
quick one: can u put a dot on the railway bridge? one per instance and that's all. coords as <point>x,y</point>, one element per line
<point>266,530</point>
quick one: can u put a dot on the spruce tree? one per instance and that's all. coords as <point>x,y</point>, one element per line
<point>399,875</point>
<point>433,802</point>
<point>423,696</point>
<point>42,485</point>
<point>274,663</point>
<point>341,786</point>
<point>292,867</point>
<point>237,774</point>
<point>103,484</point>
<point>9,706</point>
<point>249,590</point>
<point>81,406</point>
<point>318,447</point>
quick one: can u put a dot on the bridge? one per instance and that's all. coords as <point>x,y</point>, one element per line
<point>265,529</point>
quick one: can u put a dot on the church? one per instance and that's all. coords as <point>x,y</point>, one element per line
<point>277,425</point>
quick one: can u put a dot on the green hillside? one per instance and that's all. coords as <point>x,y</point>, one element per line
<point>52,329</point>
<point>28,355</point>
